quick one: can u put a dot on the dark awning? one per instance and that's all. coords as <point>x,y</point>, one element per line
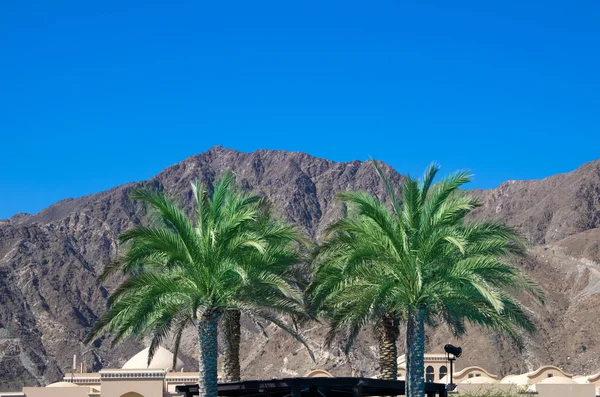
<point>315,387</point>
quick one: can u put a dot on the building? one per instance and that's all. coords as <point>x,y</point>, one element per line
<point>134,379</point>
<point>546,381</point>
<point>436,367</point>
<point>159,379</point>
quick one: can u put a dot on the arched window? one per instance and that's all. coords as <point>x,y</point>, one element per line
<point>132,394</point>
<point>429,375</point>
<point>443,371</point>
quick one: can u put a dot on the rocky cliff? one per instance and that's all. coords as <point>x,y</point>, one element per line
<point>49,296</point>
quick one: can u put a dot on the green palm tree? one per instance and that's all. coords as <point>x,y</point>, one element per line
<point>284,261</point>
<point>192,271</point>
<point>418,260</point>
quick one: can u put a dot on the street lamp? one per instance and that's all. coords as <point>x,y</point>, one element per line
<point>452,353</point>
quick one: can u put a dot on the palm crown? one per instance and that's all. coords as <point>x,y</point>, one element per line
<point>418,260</point>
<point>231,256</point>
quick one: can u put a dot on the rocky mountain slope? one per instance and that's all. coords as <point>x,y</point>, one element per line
<point>49,296</point>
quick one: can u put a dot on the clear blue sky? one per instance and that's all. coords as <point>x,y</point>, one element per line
<point>96,94</point>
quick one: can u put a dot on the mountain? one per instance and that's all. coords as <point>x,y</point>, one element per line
<point>550,209</point>
<point>49,296</point>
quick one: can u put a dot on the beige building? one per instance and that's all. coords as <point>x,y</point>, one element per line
<point>546,381</point>
<point>436,367</point>
<point>134,379</point>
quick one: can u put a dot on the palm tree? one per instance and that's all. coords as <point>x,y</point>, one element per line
<point>191,272</point>
<point>284,261</point>
<point>418,260</point>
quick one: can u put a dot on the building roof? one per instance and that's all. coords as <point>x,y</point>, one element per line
<point>472,368</point>
<point>439,357</point>
<point>163,359</point>
<point>557,380</point>
<point>581,379</point>
<point>543,368</point>
<point>318,373</point>
<point>594,377</point>
<point>62,384</point>
<point>519,380</point>
<point>479,380</point>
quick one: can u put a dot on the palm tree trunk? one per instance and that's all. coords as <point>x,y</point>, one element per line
<point>387,334</point>
<point>208,354</point>
<point>231,364</point>
<point>415,352</point>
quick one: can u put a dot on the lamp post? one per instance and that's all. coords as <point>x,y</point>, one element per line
<point>452,353</point>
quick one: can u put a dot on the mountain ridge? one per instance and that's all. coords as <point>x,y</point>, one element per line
<point>218,148</point>
<point>49,261</point>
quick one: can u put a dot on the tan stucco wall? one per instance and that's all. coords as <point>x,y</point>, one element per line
<point>544,374</point>
<point>475,371</point>
<point>81,391</point>
<point>145,387</point>
<point>566,390</point>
